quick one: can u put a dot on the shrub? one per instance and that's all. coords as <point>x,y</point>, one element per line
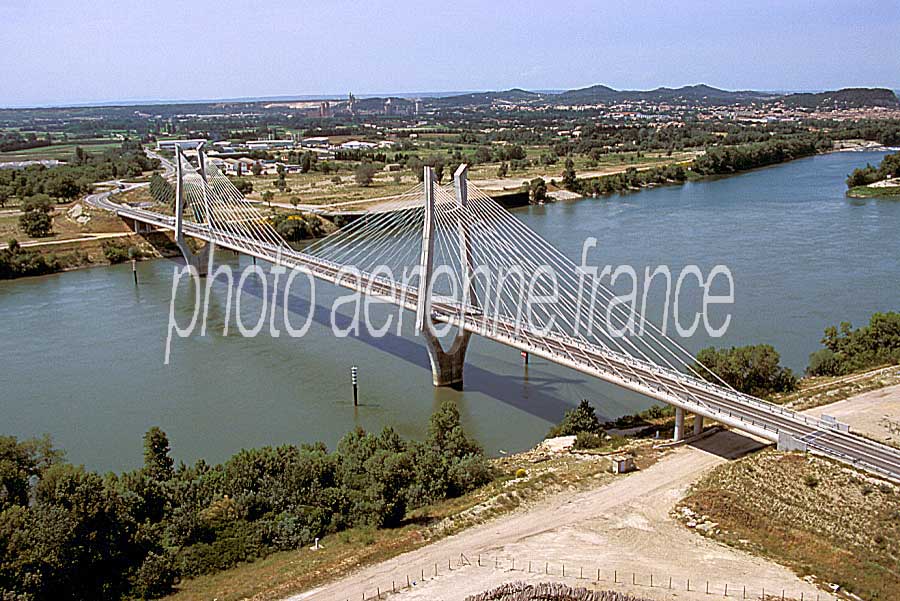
<point>364,174</point>
<point>521,473</point>
<point>588,440</point>
<point>119,253</point>
<point>811,480</point>
<point>155,578</point>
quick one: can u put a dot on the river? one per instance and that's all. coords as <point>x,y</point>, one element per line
<point>83,351</point>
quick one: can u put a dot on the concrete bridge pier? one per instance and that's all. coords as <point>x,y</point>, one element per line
<point>199,259</point>
<point>698,425</point>
<point>679,424</point>
<point>447,366</point>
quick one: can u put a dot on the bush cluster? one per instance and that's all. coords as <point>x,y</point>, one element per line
<point>582,418</point>
<point>889,167</point>
<point>752,369</point>
<point>16,262</point>
<point>848,350</point>
<point>67,533</point>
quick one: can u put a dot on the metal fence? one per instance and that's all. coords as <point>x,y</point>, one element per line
<point>660,585</point>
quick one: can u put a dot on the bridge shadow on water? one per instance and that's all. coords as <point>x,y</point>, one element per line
<point>533,390</point>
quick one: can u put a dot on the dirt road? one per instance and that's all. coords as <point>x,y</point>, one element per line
<point>623,527</point>
<point>875,413</point>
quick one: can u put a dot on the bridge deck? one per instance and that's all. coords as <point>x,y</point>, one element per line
<point>700,397</point>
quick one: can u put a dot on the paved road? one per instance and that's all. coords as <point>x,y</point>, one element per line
<point>101,200</point>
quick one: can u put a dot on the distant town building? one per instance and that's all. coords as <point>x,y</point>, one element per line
<point>24,164</point>
<point>357,145</point>
<point>317,141</point>
<point>268,144</point>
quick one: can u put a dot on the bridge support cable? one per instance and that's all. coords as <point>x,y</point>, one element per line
<point>611,313</point>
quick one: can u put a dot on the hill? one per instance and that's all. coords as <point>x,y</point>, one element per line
<point>696,94</point>
<point>845,98</point>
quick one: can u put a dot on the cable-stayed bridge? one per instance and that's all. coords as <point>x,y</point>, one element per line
<point>461,262</point>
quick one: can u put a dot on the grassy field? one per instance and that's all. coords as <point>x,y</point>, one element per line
<point>63,227</point>
<point>60,151</point>
<point>822,390</point>
<point>868,192</point>
<point>290,572</point>
<point>813,515</point>
<point>320,188</point>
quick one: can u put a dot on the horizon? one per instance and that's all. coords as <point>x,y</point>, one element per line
<point>305,97</point>
<point>289,51</point>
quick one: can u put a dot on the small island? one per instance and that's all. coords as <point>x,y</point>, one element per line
<point>871,182</point>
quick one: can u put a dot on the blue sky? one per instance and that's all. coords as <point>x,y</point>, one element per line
<point>54,52</point>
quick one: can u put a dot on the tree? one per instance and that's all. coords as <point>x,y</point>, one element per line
<point>482,154</point>
<point>306,162</point>
<point>257,168</point>
<point>503,169</point>
<point>267,197</point>
<point>364,173</point>
<point>569,181</point>
<point>157,462</point>
<point>581,419</point>
<point>537,190</point>
<point>447,463</point>
<point>244,186</point>
<point>19,463</point>
<point>847,349</point>
<point>36,224</point>
<point>439,170</point>
<point>37,202</point>
<point>63,185</point>
<point>750,369</point>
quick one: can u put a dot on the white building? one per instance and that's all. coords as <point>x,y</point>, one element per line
<point>357,145</point>
<point>185,144</point>
<point>268,144</point>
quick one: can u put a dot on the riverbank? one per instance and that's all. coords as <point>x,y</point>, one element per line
<point>874,191</point>
<point>552,508</point>
<point>819,518</point>
<point>81,249</point>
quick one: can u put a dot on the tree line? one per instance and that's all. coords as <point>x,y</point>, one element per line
<point>68,533</point>
<point>718,160</point>
<point>71,180</point>
<point>889,167</point>
<point>756,369</point>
